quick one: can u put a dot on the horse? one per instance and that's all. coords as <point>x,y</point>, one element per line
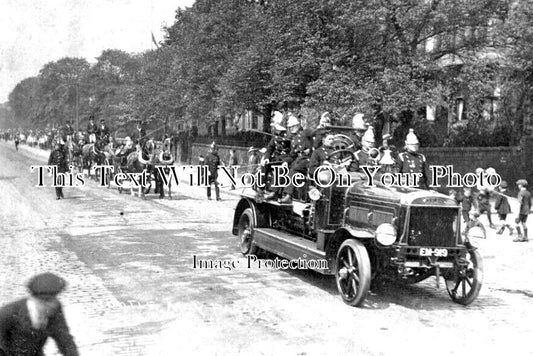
<point>142,159</point>
<point>165,158</point>
<point>98,153</point>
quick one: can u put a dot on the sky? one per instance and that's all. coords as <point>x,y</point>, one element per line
<point>36,32</point>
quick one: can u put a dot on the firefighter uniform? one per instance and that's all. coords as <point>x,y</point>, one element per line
<point>318,157</point>
<point>301,147</point>
<point>411,161</point>
<point>367,155</point>
<point>414,162</point>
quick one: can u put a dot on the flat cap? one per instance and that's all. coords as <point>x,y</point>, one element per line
<point>521,182</point>
<point>46,284</point>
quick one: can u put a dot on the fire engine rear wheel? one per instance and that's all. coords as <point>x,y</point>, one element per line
<point>464,283</point>
<point>246,232</point>
<point>353,272</point>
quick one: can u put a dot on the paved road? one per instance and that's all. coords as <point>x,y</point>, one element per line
<point>133,289</point>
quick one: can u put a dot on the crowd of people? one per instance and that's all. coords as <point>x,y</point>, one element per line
<point>303,150</point>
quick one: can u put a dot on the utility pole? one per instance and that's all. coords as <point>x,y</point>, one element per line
<point>77,109</point>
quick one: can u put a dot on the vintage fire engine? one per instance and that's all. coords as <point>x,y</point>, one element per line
<point>364,232</point>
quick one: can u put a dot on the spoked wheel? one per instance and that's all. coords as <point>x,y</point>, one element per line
<point>246,233</point>
<point>464,283</point>
<point>353,272</point>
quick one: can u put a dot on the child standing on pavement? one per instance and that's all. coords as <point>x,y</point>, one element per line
<point>524,199</point>
<point>484,204</point>
<point>502,208</point>
<point>466,204</point>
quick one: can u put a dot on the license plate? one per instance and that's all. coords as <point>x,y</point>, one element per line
<point>437,252</point>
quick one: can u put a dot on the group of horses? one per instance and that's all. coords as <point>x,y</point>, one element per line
<point>146,155</point>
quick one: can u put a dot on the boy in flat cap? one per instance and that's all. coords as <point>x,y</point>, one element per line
<point>503,208</point>
<point>26,324</point>
<point>524,198</point>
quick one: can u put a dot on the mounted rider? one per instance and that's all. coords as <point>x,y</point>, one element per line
<point>103,131</point>
<point>92,129</point>
<point>68,133</point>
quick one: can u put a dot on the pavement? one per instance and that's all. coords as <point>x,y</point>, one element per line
<point>133,289</point>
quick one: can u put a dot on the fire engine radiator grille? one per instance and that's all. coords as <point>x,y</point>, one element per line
<point>432,227</point>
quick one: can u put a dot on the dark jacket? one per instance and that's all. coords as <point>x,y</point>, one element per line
<point>58,158</point>
<point>414,162</point>
<point>318,157</point>
<point>278,149</point>
<point>466,203</point>
<point>524,198</point>
<point>18,338</point>
<point>212,160</point>
<point>501,204</point>
<point>91,128</point>
<point>302,144</point>
<point>102,133</point>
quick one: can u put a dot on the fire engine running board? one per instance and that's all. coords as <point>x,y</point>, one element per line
<point>291,247</point>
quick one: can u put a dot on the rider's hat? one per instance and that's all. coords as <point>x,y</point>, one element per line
<point>293,121</point>
<point>213,146</point>
<point>411,138</point>
<point>252,149</point>
<point>358,123</point>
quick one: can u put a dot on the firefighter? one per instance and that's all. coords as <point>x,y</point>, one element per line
<point>411,161</point>
<point>368,155</point>
<point>278,151</point>
<point>212,160</point>
<point>321,130</point>
<point>321,155</point>
<point>360,127</point>
<point>389,158</point>
<point>301,147</point>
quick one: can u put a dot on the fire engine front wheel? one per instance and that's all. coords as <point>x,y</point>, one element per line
<point>464,283</point>
<point>353,272</point>
<point>246,232</point>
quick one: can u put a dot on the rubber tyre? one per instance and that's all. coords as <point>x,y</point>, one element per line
<point>463,285</point>
<point>353,272</point>
<point>246,233</point>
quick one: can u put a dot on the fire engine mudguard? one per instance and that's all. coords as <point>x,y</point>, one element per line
<point>260,217</point>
